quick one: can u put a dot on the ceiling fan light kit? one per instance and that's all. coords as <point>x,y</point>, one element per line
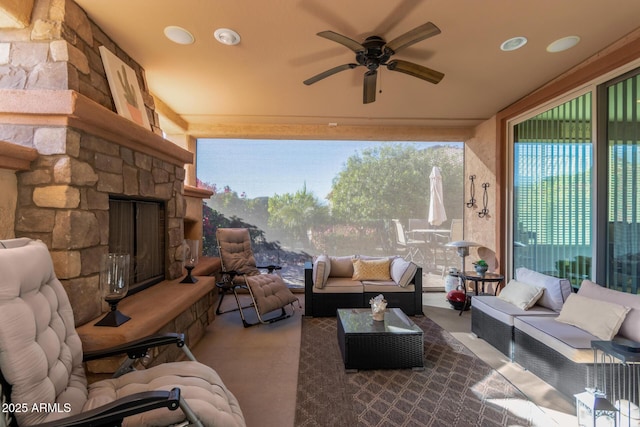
<point>375,52</point>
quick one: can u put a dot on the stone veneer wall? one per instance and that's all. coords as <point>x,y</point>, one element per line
<point>58,51</point>
<point>63,199</point>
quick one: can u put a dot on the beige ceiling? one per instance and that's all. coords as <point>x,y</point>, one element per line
<point>260,80</point>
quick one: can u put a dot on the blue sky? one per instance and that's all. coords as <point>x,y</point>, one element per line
<point>268,167</point>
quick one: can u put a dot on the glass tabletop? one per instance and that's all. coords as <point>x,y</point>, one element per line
<point>488,277</point>
<point>360,320</point>
<point>609,347</point>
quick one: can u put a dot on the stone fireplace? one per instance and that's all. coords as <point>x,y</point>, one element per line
<point>76,154</point>
<point>64,199</point>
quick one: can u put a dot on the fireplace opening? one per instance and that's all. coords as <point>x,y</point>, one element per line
<point>137,227</point>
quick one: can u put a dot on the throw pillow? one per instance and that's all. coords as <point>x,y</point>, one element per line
<point>522,295</point>
<point>341,266</point>
<point>402,271</point>
<point>599,318</point>
<point>556,290</point>
<point>629,328</point>
<point>371,269</point>
<point>321,271</point>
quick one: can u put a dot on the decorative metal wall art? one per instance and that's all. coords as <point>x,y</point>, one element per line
<point>485,201</point>
<point>472,189</point>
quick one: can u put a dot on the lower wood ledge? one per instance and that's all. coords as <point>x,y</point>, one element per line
<point>150,311</point>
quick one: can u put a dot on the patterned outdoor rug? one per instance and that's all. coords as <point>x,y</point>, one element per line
<point>456,388</point>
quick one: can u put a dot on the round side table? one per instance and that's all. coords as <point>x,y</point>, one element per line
<point>472,276</point>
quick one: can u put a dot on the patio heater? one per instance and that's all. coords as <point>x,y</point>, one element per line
<point>462,247</point>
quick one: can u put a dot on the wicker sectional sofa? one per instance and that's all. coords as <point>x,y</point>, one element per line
<point>344,282</point>
<point>557,352</point>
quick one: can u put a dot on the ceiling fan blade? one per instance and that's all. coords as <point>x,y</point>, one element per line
<point>343,40</point>
<point>403,9</point>
<point>369,92</point>
<point>415,70</point>
<point>328,73</point>
<point>420,33</point>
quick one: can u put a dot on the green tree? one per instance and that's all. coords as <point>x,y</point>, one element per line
<point>392,181</point>
<point>296,213</point>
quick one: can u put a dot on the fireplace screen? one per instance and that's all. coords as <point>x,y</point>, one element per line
<point>138,228</point>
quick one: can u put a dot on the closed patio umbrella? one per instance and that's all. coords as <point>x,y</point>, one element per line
<point>437,214</point>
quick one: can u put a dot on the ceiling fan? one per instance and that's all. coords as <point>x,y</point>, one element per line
<point>375,51</point>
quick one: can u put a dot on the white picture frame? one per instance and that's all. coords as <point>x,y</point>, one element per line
<point>124,87</point>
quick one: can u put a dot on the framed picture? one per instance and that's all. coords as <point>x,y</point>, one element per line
<point>124,88</point>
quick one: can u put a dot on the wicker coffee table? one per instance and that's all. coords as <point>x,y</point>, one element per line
<point>395,343</point>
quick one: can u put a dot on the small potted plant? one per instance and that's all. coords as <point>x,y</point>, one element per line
<point>481,267</point>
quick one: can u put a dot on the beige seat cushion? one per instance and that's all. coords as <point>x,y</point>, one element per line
<point>200,385</point>
<point>343,285</point>
<point>41,353</point>
<point>235,250</point>
<point>270,292</point>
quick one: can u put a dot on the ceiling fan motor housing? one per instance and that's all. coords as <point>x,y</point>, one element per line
<point>374,54</point>
<point>375,51</point>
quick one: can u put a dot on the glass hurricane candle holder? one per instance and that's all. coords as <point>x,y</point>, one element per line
<point>190,259</point>
<point>114,285</point>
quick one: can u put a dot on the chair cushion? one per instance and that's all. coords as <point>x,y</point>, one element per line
<point>270,292</point>
<point>42,355</point>
<point>629,328</point>
<point>556,290</point>
<point>199,385</point>
<point>341,285</point>
<point>504,311</point>
<point>600,318</point>
<point>568,340</point>
<point>235,250</point>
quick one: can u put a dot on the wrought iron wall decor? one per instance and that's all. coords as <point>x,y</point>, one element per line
<point>485,201</point>
<point>472,189</point>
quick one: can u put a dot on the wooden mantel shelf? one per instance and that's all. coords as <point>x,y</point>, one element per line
<point>150,311</point>
<point>16,157</point>
<point>70,108</point>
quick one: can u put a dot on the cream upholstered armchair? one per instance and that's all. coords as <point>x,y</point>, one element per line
<point>41,362</point>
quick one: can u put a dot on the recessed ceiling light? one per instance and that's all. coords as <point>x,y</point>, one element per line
<point>178,35</point>
<point>513,43</point>
<point>227,36</point>
<point>563,44</point>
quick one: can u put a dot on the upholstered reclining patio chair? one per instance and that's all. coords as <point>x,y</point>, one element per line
<point>268,291</point>
<point>42,377</point>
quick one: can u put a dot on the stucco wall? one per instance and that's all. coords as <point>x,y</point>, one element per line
<point>482,160</point>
